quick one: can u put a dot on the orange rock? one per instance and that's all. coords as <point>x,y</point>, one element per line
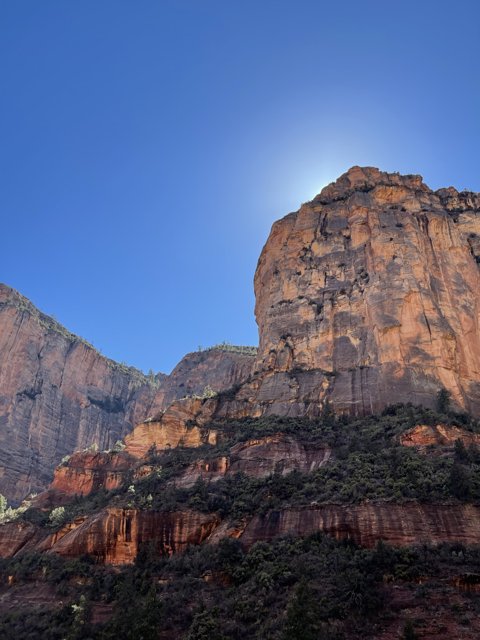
<point>182,424</point>
<point>58,394</point>
<point>369,295</point>
<point>115,536</point>
<point>423,436</point>
<point>259,458</point>
<point>86,472</point>
<point>18,536</point>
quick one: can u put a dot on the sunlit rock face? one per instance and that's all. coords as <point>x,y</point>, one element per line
<point>115,536</point>
<point>182,424</point>
<point>87,472</point>
<point>438,437</point>
<point>370,295</point>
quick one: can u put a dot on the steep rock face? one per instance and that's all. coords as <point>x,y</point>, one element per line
<point>221,368</point>
<point>115,536</point>
<point>370,295</point>
<point>276,454</point>
<point>18,536</point>
<point>366,524</point>
<point>58,394</point>
<point>440,435</point>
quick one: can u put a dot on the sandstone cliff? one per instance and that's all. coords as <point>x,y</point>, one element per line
<point>366,524</point>
<point>115,535</point>
<point>58,394</point>
<point>370,295</point>
<point>259,458</point>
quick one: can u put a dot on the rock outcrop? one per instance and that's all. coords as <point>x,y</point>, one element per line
<point>87,472</point>
<point>366,296</point>
<point>259,458</point>
<point>440,435</point>
<point>370,295</point>
<point>58,394</point>
<point>116,536</point>
<point>183,423</point>
<point>366,524</point>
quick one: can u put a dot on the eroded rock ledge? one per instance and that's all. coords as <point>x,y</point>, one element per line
<point>115,536</point>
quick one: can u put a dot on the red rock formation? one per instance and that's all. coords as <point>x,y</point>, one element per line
<point>366,524</point>
<point>86,472</point>
<point>115,536</point>
<point>278,453</point>
<point>183,423</point>
<point>208,470</point>
<point>58,394</point>
<point>369,295</point>
<point>220,368</point>
<point>440,435</point>
<point>18,536</point>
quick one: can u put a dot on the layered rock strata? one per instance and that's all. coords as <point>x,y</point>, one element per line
<point>87,472</point>
<point>116,536</point>
<point>366,524</point>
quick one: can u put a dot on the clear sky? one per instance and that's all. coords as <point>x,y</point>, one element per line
<point>147,146</point>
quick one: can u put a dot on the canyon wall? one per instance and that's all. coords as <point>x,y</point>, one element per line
<point>370,295</point>
<point>116,536</point>
<point>58,394</point>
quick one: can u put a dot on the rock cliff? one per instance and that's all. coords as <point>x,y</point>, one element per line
<point>259,458</point>
<point>370,295</point>
<point>87,472</point>
<point>58,394</point>
<point>366,524</point>
<point>115,535</point>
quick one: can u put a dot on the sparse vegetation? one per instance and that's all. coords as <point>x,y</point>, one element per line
<point>57,516</point>
<point>226,346</point>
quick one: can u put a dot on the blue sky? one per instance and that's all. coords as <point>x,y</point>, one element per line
<point>147,147</point>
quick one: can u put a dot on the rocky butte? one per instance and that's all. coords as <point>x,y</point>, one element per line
<point>370,295</point>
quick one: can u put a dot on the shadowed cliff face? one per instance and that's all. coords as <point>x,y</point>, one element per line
<point>58,394</point>
<point>370,295</point>
<point>115,536</point>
